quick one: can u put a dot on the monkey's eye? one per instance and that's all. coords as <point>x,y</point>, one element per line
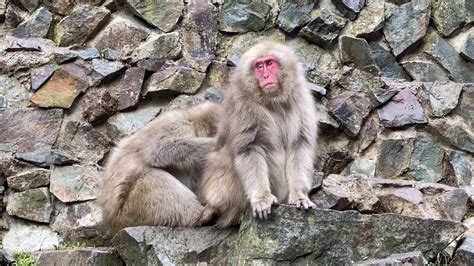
<point>269,62</point>
<point>259,66</point>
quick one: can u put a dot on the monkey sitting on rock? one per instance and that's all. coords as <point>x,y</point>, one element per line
<point>152,176</point>
<point>266,138</point>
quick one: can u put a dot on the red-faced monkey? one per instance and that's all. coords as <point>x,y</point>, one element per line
<point>266,138</point>
<point>152,175</point>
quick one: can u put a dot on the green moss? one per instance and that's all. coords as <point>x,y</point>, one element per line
<point>52,32</point>
<point>23,259</point>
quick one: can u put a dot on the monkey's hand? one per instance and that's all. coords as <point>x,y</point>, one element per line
<point>262,206</point>
<point>302,202</point>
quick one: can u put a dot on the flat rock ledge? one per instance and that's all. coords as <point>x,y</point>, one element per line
<point>291,236</point>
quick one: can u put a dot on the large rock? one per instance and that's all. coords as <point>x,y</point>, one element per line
<point>74,183</point>
<point>449,15</point>
<point>424,69</point>
<point>62,7</point>
<point>122,36</point>
<point>12,93</point>
<point>107,70</point>
<point>350,109</point>
<point>80,25</point>
<point>162,14</point>
<point>407,24</point>
<point>294,14</point>
<point>29,179</point>
<point>41,74</point>
<point>313,56</point>
<point>386,62</point>
<point>29,5</point>
<point>357,51</point>
<point>394,157</point>
<point>459,169</point>
<point>131,87</point>
<point>27,130</point>
<point>465,252</point>
<point>370,21</point>
<point>83,141</point>
<point>459,70</point>
<point>467,49</point>
<point>442,97</point>
<point>325,236</point>
<point>29,237</point>
<point>83,256</point>
<point>243,16</point>
<point>99,103</point>
<point>350,8</point>
<point>63,87</point>
<point>426,163</point>
<point>324,29</point>
<point>36,26</point>
<point>465,107</point>
<point>200,26</point>
<point>455,132</point>
<point>162,46</point>
<point>78,222</point>
<point>403,109</point>
<point>174,80</point>
<point>33,204</point>
<point>164,245</point>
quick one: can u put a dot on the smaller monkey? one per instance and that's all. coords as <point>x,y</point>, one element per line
<point>266,138</point>
<point>152,175</point>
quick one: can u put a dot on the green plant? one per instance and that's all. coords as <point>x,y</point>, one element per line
<point>23,259</point>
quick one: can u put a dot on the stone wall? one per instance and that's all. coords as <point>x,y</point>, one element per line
<point>392,81</point>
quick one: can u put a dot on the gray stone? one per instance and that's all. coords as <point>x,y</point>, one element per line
<point>167,246</point>
<point>84,256</point>
<point>449,15</point>
<point>414,258</point>
<point>403,109</point>
<point>214,94</point>
<point>184,101</point>
<point>425,70</point>
<point>406,25</point>
<point>13,93</point>
<point>467,50</point>
<point>393,157</point>
<point>459,169</point>
<point>363,167</point>
<point>29,237</point>
<point>27,130</point>
<point>32,204</point>
<point>10,166</point>
<point>350,109</point>
<point>368,132</point>
<point>200,27</point>
<point>152,65</point>
<point>131,87</point>
<point>459,70</point>
<point>319,77</point>
<point>386,62</point>
<point>294,14</point>
<point>243,16</point>
<point>14,15</point>
<point>36,26</point>
<point>29,5</point>
<point>313,56</point>
<point>162,47</point>
<point>29,179</point>
<point>357,51</point>
<point>465,252</point>
<point>324,29</point>
<point>63,87</point>
<point>275,240</point>
<point>46,157</point>
<point>80,25</point>
<point>350,8</point>
<point>89,53</point>
<point>99,103</point>
<point>124,124</point>
<point>426,163</point>
<point>62,7</point>
<point>174,80</point>
<point>162,14</point>
<point>443,97</point>
<point>370,21</point>
<point>3,7</point>
<point>74,183</point>
<point>81,139</point>
<point>40,75</point>
<point>108,70</point>
<point>110,54</point>
<point>465,107</point>
<point>455,132</point>
<point>78,222</point>
<point>121,36</point>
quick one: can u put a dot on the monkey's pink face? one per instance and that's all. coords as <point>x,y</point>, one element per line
<point>266,70</point>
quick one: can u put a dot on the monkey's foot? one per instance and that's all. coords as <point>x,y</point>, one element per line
<point>302,203</point>
<point>262,207</point>
<point>207,215</point>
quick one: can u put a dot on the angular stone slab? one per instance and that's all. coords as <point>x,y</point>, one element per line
<point>145,245</point>
<point>443,97</point>
<point>29,179</point>
<point>162,47</point>
<point>80,25</point>
<point>243,16</point>
<point>466,104</point>
<point>357,51</point>
<point>46,157</point>
<point>465,252</point>
<point>24,237</point>
<point>62,7</point>
<point>12,93</point>
<point>74,183</point>
<point>394,157</point>
<point>313,56</point>
<point>324,236</point>
<point>407,24</point>
<point>386,62</point>
<point>131,87</point>
<point>33,204</point>
<point>78,222</point>
<point>27,130</point>
<point>324,28</point>
<point>456,132</point>
<point>62,88</point>
<point>350,8</point>
<point>84,256</point>
<point>467,49</point>
<point>370,20</point>
<point>449,15</point>
<point>162,14</point>
<point>425,70</point>
<point>174,80</point>
<point>107,69</point>
<point>29,5</point>
<point>40,75</point>
<point>37,26</point>
<point>350,110</point>
<point>459,70</point>
<point>403,109</point>
<point>294,14</point>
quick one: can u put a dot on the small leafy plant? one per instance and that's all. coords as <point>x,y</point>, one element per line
<point>24,259</point>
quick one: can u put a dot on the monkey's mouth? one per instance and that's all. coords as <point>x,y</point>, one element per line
<point>270,88</point>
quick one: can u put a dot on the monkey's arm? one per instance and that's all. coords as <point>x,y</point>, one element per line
<point>183,152</point>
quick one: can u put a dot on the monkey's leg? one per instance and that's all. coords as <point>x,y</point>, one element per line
<point>159,199</point>
<point>181,153</point>
<point>299,168</point>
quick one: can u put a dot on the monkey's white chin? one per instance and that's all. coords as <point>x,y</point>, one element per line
<point>271,89</point>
